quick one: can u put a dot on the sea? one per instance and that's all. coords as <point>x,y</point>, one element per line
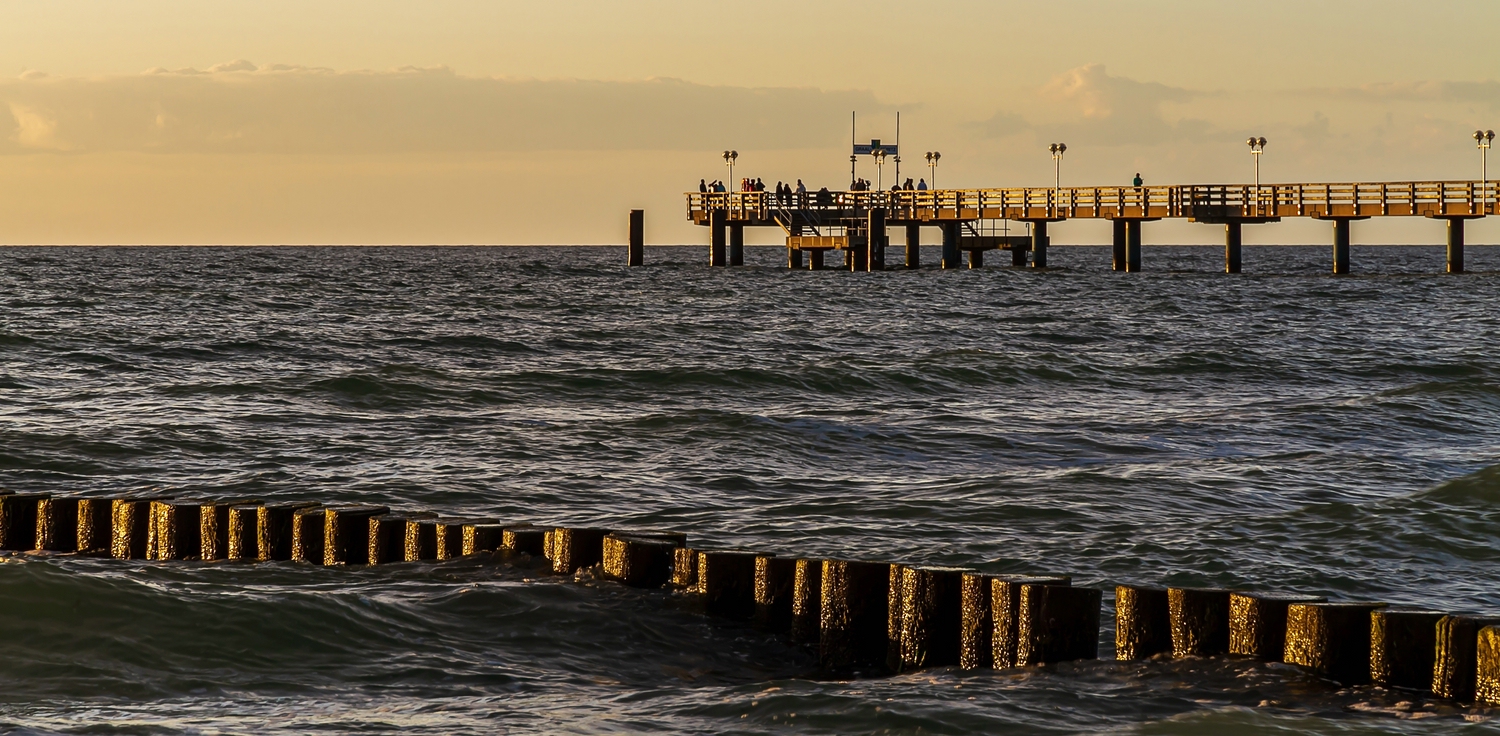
<point>1278,430</point>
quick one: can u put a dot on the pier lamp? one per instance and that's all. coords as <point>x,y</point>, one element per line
<point>1057,149</point>
<point>1483,139</point>
<point>879,155</point>
<point>1257,147</point>
<point>729,158</point>
<point>932,159</point>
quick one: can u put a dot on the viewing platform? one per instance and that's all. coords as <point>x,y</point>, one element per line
<point>972,219</point>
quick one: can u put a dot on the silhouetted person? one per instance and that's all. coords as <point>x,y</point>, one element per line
<point>702,186</point>
<point>1138,181</point>
<point>921,185</point>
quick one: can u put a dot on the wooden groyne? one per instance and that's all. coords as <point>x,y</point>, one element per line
<point>973,221</point>
<point>862,616</point>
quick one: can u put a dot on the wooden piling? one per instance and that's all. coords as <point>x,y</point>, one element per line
<point>448,538</point>
<point>931,614</point>
<point>421,540</point>
<point>807,593</point>
<point>1455,656</point>
<point>480,537</point>
<point>976,622</point>
<point>213,527</point>
<point>95,525</point>
<point>57,524</point>
<point>1331,639</point>
<point>1058,623</point>
<point>893,613</point>
<point>175,530</point>
<point>638,561</point>
<point>18,514</point>
<point>852,628</point>
<point>1143,622</point>
<point>636,255</point>
<point>346,533</point>
<point>774,577</point>
<point>1401,648</point>
<point>386,536</point>
<point>273,524</point>
<point>726,580</point>
<point>1487,665</point>
<point>244,533</point>
<point>685,569</point>
<point>524,538</point>
<point>308,526</point>
<point>1199,621</point>
<point>576,548</point>
<point>1257,623</point>
<point>1005,614</point>
<point>130,526</point>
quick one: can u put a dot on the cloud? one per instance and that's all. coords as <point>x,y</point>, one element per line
<point>1485,93</point>
<point>238,107</point>
<point>1109,110</point>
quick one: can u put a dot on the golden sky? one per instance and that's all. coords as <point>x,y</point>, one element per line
<point>155,121</point>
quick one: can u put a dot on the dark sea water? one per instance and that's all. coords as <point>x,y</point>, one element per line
<point>1278,430</point>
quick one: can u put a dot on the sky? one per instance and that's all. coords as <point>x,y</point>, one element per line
<point>497,122</point>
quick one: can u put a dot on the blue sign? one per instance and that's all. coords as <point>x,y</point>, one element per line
<point>862,149</point>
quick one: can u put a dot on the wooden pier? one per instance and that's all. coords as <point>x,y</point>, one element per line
<point>972,220</point>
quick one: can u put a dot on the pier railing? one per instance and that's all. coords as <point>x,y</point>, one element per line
<point>1206,202</point>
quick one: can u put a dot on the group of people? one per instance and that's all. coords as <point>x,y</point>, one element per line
<point>863,185</point>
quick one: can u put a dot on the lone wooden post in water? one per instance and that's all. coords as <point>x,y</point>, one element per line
<point>1200,621</point>
<point>1331,639</point>
<point>637,253</point>
<point>1143,623</point>
<point>1401,648</point>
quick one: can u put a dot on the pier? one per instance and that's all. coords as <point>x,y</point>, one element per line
<point>973,221</point>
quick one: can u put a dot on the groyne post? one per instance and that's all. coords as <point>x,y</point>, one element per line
<point>307,535</point>
<point>57,524</point>
<point>807,595</point>
<point>130,527</point>
<point>1487,665</point>
<point>95,525</point>
<point>575,548</point>
<point>1232,233</point>
<point>519,539</point>
<point>213,527</point>
<point>18,514</point>
<point>1200,621</point>
<point>1143,622</point>
<point>717,220</point>
<point>636,255</point>
<point>773,592</point>
<point>1257,623</point>
<point>931,614</point>
<point>274,528</point>
<point>893,613</point>
<point>1331,639</point>
<point>1454,659</point>
<point>176,532</point>
<point>913,246</point>
<point>726,580</point>
<point>1058,623</point>
<point>852,630</point>
<point>976,622</point>
<point>483,536</point>
<point>685,568</point>
<point>1005,615</point>
<point>638,561</point>
<point>1401,648</point>
<point>346,534</point>
<point>244,533</point>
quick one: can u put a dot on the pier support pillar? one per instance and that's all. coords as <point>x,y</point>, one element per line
<point>737,244</point>
<point>1119,241</point>
<point>716,248</point>
<point>794,255</point>
<point>976,259</point>
<point>815,260</point>
<point>1231,247</point>
<point>637,254</point>
<point>1341,246</point>
<point>875,256</point>
<point>913,246</point>
<point>1456,245</point>
<point>854,258</point>
<point>950,244</point>
<point>1132,246</point>
<point>1039,244</point>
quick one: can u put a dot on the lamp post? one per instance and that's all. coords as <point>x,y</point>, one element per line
<point>932,162</point>
<point>1257,147</point>
<point>729,158</point>
<point>1483,139</point>
<point>1057,149</point>
<point>879,155</point>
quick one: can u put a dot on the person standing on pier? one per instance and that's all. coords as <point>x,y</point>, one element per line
<point>702,186</point>
<point>921,185</point>
<point>1138,181</point>
<point>801,194</point>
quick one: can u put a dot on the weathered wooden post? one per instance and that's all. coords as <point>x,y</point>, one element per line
<point>175,530</point>
<point>1058,623</point>
<point>386,536</point>
<point>773,591</point>
<point>95,525</point>
<point>893,614</point>
<point>807,594</point>
<point>726,580</point>
<point>57,524</point>
<point>524,539</point>
<point>18,514</point>
<point>637,253</point>
<point>1257,623</point>
<point>1331,639</point>
<point>448,538</point>
<point>1005,614</point>
<point>483,536</point>
<point>913,246</point>
<point>639,561</point>
<point>1039,243</point>
<point>346,533</point>
<point>1200,621</point>
<point>1487,664</point>
<point>130,526</point>
<point>1455,656</point>
<point>244,533</point>
<point>308,526</point>
<point>213,527</point>
<point>931,613</point>
<point>685,569</point>
<point>1143,623</point>
<point>976,622</point>
<point>1401,648</point>
<point>852,628</point>
<point>576,548</point>
<point>421,544</point>
<point>1232,246</point>
<point>273,525</point>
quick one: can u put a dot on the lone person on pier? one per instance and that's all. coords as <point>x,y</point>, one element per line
<point>1138,181</point>
<point>921,185</point>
